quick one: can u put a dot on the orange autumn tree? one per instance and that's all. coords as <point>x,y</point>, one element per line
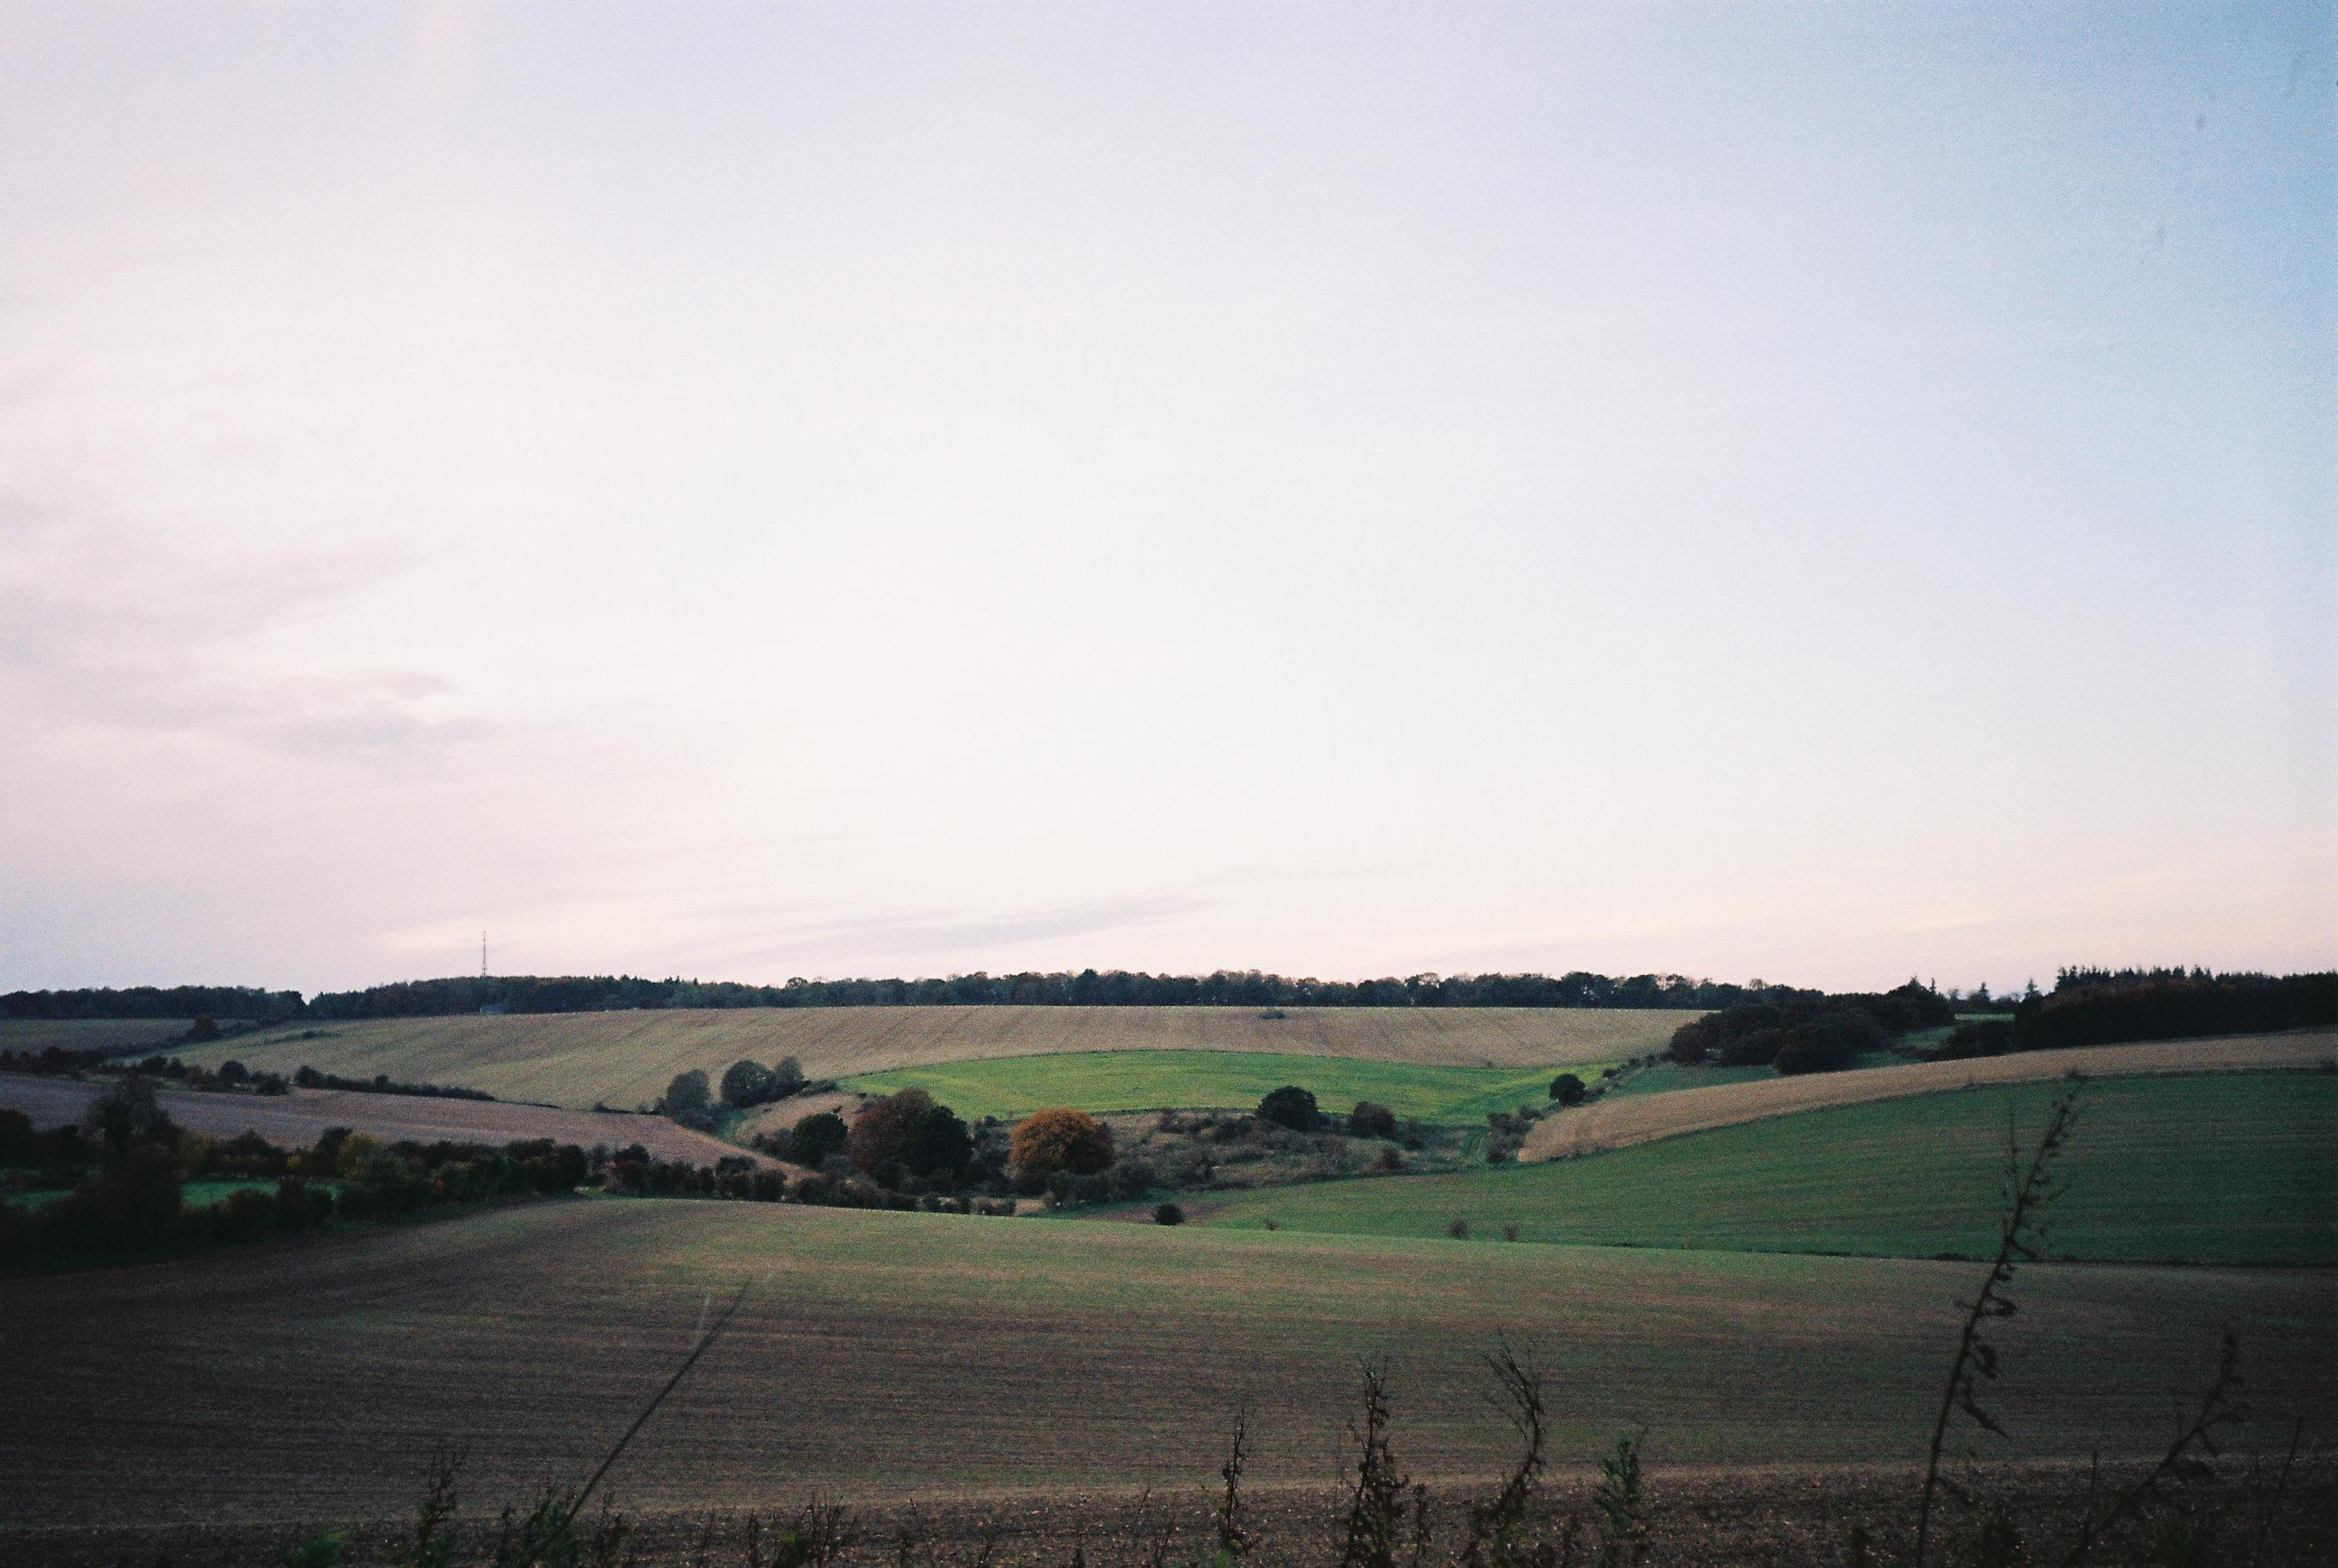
<point>1061,1138</point>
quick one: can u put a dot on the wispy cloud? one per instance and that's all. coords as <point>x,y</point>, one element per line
<point>102,629</point>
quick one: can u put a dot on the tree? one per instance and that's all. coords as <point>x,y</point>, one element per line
<point>787,1077</point>
<point>880,1127</point>
<point>689,1100</point>
<point>814,1139</point>
<point>233,1072</point>
<point>128,1112</point>
<point>935,1142</point>
<point>1290,1106</point>
<point>1567,1089</point>
<point>1060,1139</point>
<point>746,1084</point>
<point>1168,1214</point>
<point>1372,1121</point>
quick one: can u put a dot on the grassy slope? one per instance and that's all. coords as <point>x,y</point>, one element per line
<point>625,1059</point>
<point>2210,1169</point>
<point>911,1353</point>
<point>1015,1086</point>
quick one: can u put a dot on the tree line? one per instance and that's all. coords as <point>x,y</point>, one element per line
<point>156,1001</point>
<point>2108,1006</point>
<point>1086,988</point>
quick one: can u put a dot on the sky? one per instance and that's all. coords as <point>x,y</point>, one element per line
<point>1807,492</point>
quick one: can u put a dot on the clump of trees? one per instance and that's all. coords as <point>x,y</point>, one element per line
<point>1809,1032</point>
<point>2105,1007</point>
<point>908,1134</point>
<point>746,1084</point>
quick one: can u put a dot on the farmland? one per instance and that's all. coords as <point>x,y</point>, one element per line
<point>2224,1169</point>
<point>35,1035</point>
<point>626,1059</point>
<point>917,1354</point>
<point>295,1119</point>
<point>1015,1086</point>
<point>1621,1120</point>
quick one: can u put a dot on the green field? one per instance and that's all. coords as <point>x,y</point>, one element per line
<point>1014,1086</point>
<point>194,1194</point>
<point>2213,1169</point>
<point>912,1354</point>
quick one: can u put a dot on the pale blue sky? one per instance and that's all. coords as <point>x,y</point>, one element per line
<point>1799,491</point>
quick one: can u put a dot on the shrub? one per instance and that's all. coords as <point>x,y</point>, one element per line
<point>1060,1139</point>
<point>1290,1106</point>
<point>233,1071</point>
<point>1370,1120</point>
<point>1567,1089</point>
<point>1457,1228</point>
<point>1168,1214</point>
<point>814,1139</point>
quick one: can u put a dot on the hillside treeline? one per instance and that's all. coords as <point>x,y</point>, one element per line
<point>1810,1031</point>
<point>2104,1007</point>
<point>1088,988</point>
<point>156,1001</point>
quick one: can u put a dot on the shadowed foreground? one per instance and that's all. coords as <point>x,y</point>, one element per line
<point>898,1356</point>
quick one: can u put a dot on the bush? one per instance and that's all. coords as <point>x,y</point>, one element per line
<point>1168,1214</point>
<point>1567,1089</point>
<point>232,1072</point>
<point>1290,1106</point>
<point>1060,1139</point>
<point>1370,1120</point>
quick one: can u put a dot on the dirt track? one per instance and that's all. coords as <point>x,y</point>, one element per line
<point>296,1118</point>
<point>1617,1123</point>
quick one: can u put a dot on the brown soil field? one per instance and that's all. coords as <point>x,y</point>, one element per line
<point>294,1120</point>
<point>1620,1121</point>
<point>92,1033</point>
<point>1775,1516</point>
<point>626,1059</point>
<point>896,1356</point>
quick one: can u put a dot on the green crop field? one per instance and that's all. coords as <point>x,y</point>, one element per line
<point>1015,1086</point>
<point>194,1194</point>
<point>927,1355</point>
<point>2214,1169</point>
<point>626,1059</point>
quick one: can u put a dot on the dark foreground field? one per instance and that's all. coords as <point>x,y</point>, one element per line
<point>891,1357</point>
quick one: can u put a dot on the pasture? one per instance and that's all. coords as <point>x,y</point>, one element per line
<point>296,1118</point>
<point>2227,1169</point>
<point>626,1059</point>
<point>897,1355</point>
<point>1617,1121</point>
<point>1011,1087</point>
